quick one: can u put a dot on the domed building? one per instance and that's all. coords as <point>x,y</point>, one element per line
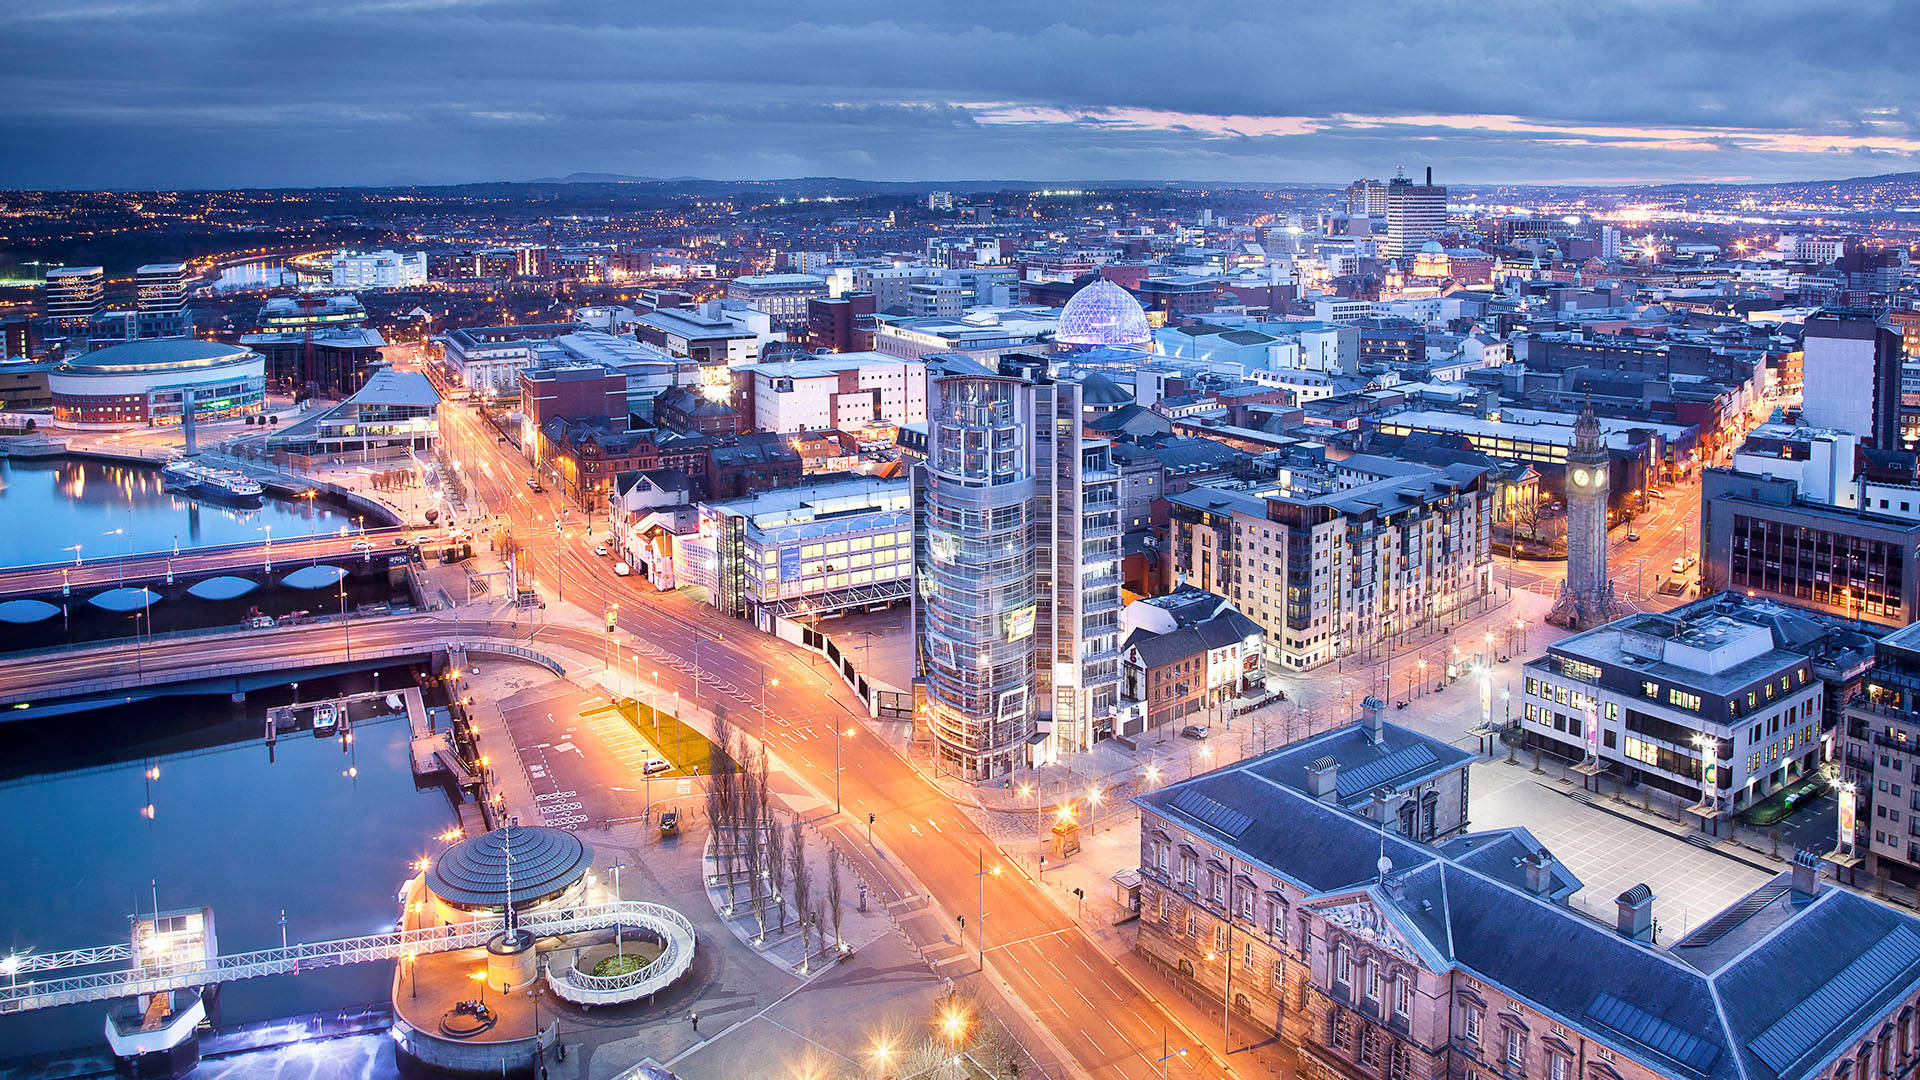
<point>1104,315</point>
<point>146,382</point>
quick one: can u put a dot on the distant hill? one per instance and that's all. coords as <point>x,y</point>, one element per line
<point>598,178</point>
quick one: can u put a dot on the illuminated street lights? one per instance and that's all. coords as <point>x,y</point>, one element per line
<point>836,766</point>
<point>980,904</point>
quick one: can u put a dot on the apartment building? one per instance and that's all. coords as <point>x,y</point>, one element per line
<point>1333,559</point>
<point>1017,573</point>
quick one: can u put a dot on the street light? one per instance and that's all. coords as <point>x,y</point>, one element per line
<point>1039,823</point>
<point>980,903</point>
<point>836,766</point>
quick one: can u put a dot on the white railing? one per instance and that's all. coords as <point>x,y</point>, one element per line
<point>27,994</point>
<point>584,988</point>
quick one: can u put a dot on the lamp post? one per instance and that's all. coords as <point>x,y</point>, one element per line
<point>836,766</point>
<point>1165,1054</point>
<point>980,903</point>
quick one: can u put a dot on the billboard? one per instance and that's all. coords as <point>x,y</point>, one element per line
<point>790,563</point>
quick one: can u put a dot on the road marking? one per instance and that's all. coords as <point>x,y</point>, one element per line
<point>935,824</point>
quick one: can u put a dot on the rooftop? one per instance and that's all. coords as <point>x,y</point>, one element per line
<point>157,354</point>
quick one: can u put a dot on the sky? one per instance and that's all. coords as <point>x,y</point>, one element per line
<point>295,93</point>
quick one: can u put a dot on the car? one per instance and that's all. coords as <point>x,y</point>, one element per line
<point>654,765</point>
<point>601,551</point>
<point>621,569</point>
<point>401,541</point>
<point>1194,731</point>
<point>1656,493</point>
<point>669,822</point>
<point>363,545</point>
<point>1633,537</point>
<point>1682,564</point>
<point>533,484</point>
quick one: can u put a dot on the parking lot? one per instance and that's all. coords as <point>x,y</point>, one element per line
<point>585,762</point>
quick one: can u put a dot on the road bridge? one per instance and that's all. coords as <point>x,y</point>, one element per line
<point>252,560</point>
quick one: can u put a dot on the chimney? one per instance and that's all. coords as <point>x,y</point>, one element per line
<point>1806,875</point>
<point>1374,712</point>
<point>1636,914</point>
<point>1539,868</point>
<point>1429,176</point>
<point>1323,777</point>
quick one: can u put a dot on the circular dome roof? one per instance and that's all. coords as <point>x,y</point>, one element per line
<point>473,872</point>
<point>1104,314</point>
<point>157,355</point>
<point>1432,247</point>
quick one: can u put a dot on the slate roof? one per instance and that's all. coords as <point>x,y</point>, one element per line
<point>1814,976</point>
<point>1402,758</point>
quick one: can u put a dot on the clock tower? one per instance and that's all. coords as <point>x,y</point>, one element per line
<point>1586,598</point>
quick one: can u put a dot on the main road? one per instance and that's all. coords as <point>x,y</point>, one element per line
<point>1108,1024</point>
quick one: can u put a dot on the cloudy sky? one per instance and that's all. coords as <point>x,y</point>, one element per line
<point>218,93</point>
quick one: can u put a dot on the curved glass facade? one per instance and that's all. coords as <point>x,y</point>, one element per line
<point>979,577</point>
<point>1104,314</point>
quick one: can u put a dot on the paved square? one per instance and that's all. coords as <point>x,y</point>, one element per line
<point>1609,854</point>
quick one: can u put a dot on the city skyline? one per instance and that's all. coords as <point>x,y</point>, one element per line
<point>253,97</point>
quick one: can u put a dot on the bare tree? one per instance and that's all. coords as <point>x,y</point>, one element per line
<point>777,862</point>
<point>802,885</point>
<point>756,876</point>
<point>834,907</point>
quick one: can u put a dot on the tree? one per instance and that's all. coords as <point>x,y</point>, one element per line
<point>834,907</point>
<point>777,862</point>
<point>802,886</point>
<point>756,875</point>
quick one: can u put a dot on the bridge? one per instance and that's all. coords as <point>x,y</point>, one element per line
<point>228,660</point>
<point>26,994</point>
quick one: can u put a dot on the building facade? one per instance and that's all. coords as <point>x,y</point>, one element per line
<point>357,270</point>
<point>76,293</point>
<point>810,550</point>
<point>147,383</point>
<point>1186,655</point>
<point>1017,574</point>
<point>1850,367</point>
<point>783,296</point>
<point>849,392</point>
<point>1335,560</point>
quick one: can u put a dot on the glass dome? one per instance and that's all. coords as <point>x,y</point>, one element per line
<point>1104,314</point>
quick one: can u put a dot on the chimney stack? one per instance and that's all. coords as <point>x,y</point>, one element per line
<point>1374,712</point>
<point>1635,909</point>
<point>1806,875</point>
<point>1323,779</point>
<point>1539,869</point>
<point>1429,176</point>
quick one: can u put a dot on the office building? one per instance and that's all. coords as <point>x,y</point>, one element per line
<point>585,392</point>
<point>325,363</point>
<point>984,335</point>
<point>1820,462</point>
<point>1337,558</point>
<point>1416,213</point>
<point>1270,890</point>
<point>395,416</point>
<point>161,288</point>
<point>810,550</point>
<point>1850,369</point>
<point>76,293</point>
<point>1721,702</point>
<point>358,270</point>
<point>1017,574</point>
<point>1367,198</point>
<point>300,313</point>
<point>783,296</point>
<point>841,324</point>
<point>488,359</point>
<point>1759,535</point>
<point>850,391</point>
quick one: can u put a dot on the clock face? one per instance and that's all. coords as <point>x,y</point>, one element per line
<point>1580,477</point>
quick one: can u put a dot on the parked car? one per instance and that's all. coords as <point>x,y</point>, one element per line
<point>1194,731</point>
<point>601,551</point>
<point>669,822</point>
<point>621,569</point>
<point>1682,564</point>
<point>1632,537</point>
<point>654,765</point>
<point>533,484</point>
<point>1656,493</point>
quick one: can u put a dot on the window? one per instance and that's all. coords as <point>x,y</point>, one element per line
<point>1650,689</point>
<point>1682,699</point>
<point>1373,981</point>
<point>1340,1034</point>
<point>1279,973</point>
<point>1516,1051</point>
<point>1246,955</point>
<point>1556,1067</point>
<point>1193,925</point>
<point>1342,965</point>
<point>1217,885</point>
<point>1399,1063</point>
<point>1403,996</point>
<point>1246,904</point>
<point>1220,938</point>
<point>1279,920</point>
<point>1470,1026</point>
<point>1369,1055</point>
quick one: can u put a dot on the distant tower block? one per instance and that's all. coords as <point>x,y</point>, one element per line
<point>1586,597</point>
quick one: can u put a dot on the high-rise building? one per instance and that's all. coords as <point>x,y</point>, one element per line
<point>783,296</point>
<point>1368,197</point>
<point>358,270</point>
<point>76,293</point>
<point>1586,596</point>
<point>1416,213</point>
<point>1850,367</point>
<point>1017,573</point>
<point>162,287</point>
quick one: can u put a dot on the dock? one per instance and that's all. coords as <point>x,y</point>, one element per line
<point>434,755</point>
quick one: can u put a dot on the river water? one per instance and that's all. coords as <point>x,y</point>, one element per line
<point>323,832</point>
<point>49,505</point>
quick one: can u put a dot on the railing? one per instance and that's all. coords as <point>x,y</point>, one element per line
<point>585,988</point>
<point>102,986</point>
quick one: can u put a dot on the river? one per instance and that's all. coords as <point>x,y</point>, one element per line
<point>50,505</point>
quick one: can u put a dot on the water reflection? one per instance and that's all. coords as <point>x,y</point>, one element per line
<point>54,507</point>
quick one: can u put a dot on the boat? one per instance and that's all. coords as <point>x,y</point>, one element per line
<point>194,478</point>
<point>325,721</point>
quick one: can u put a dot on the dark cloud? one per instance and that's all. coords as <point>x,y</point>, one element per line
<point>230,92</point>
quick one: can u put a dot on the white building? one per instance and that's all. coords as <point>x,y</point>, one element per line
<point>1820,462</point>
<point>812,550</point>
<point>847,391</point>
<point>983,334</point>
<point>360,270</point>
<point>783,296</point>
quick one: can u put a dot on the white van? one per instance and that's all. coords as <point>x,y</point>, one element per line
<point>621,569</point>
